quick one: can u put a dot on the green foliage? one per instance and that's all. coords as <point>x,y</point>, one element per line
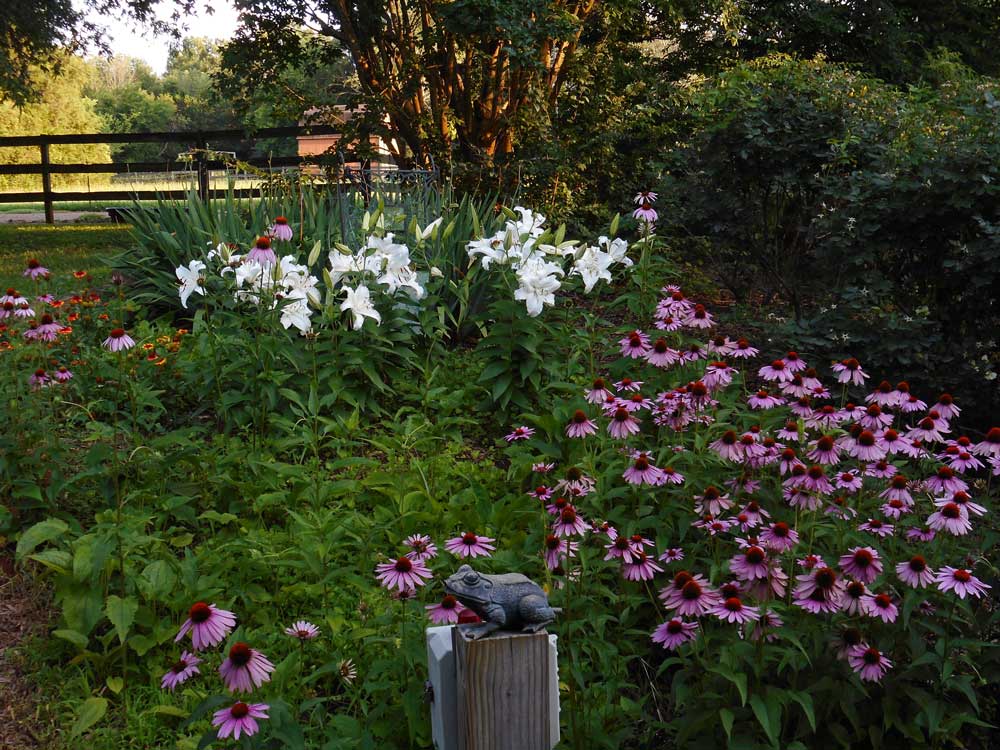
<point>869,211</point>
<point>61,108</point>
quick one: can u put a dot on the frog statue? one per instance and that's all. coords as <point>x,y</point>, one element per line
<point>510,601</point>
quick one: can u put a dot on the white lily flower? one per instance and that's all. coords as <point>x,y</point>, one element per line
<point>359,302</point>
<point>297,313</point>
<point>343,263</point>
<point>592,266</point>
<point>617,249</point>
<point>538,284</point>
<point>491,248</point>
<point>530,223</point>
<point>191,279</point>
<point>430,228</point>
<point>403,278</point>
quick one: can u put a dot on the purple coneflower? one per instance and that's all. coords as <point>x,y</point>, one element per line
<point>470,545</point>
<point>62,374</point>
<point>35,270</point>
<point>731,609</point>
<point>635,345</point>
<point>750,563</point>
<point>598,392</point>
<point>262,253</point>
<point>849,371</point>
<point>627,384</point>
<point>990,445</point>
<point>622,424</point>
<point>445,612</point>
<point>921,534</point>
<point>696,598</point>
<point>870,665</point>
<point>849,481</point>
<point>643,472</point>
<point>947,407</point>
<point>862,563</point>
<point>642,568</point>
<point>674,633</point>
<point>915,572</point>
<point>699,317</point>
<point>776,371</point>
<point>944,482</point>
<point>421,546</point>
<point>280,229</point>
<point>877,527</point>
<point>671,554</point>
<point>245,669</point>
<point>402,573</point>
<point>304,631</point>
<point>239,719</point>
<point>208,624</point>
<point>962,500</point>
<point>520,433</point>
<point>960,581</point>
<point>950,517</point>
<point>558,549</point>
<point>824,451</point>
<point>880,606</point>
<point>580,426</point>
<point>779,537</point>
<point>118,340</point>
<point>183,668</point>
<point>570,523</point>
<point>764,400</point>
<point>661,355</point>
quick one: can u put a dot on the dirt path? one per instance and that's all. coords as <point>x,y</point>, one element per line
<point>24,611</point>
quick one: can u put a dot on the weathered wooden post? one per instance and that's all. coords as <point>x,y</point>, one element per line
<point>503,686</point>
<point>495,685</point>
<point>50,216</point>
<point>201,158</point>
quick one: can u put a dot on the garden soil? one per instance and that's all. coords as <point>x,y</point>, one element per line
<point>24,612</point>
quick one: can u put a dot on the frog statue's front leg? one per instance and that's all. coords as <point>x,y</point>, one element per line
<point>494,619</point>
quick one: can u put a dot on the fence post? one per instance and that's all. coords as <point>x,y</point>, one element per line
<point>50,216</point>
<point>200,159</point>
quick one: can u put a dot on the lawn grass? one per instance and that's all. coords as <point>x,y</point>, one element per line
<point>61,249</point>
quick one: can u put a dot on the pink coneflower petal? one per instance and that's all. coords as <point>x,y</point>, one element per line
<point>868,662</point>
<point>245,669</point>
<point>208,624</point>
<point>674,633</point>
<point>304,631</point>
<point>183,669</point>
<point>239,720</point>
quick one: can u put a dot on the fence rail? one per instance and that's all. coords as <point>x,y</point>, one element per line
<point>199,167</point>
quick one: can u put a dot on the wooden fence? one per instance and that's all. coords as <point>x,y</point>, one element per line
<point>201,164</point>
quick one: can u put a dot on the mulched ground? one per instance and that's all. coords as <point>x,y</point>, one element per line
<point>25,610</point>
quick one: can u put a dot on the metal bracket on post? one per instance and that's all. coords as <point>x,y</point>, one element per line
<point>50,216</point>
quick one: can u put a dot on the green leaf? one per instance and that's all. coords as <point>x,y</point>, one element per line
<point>737,678</point>
<point>91,712</point>
<point>121,612</point>
<point>44,531</point>
<point>727,722</point>
<point>805,700</point>
<point>173,711</point>
<point>115,684</point>
<point>764,715</point>
<point>77,639</point>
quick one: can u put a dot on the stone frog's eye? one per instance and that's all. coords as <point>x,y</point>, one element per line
<point>471,578</point>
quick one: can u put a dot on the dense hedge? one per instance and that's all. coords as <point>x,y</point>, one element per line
<point>866,215</point>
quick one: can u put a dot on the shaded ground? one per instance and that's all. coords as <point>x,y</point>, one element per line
<point>37,217</point>
<point>24,612</point>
